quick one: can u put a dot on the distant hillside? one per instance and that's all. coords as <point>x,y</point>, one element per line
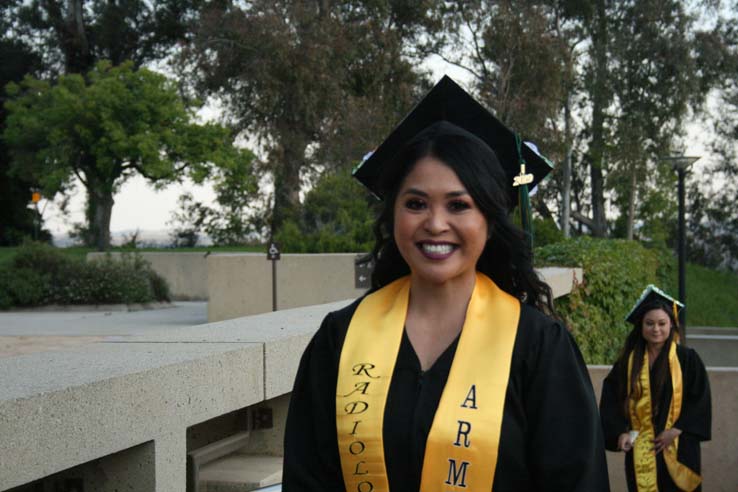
<point>146,238</point>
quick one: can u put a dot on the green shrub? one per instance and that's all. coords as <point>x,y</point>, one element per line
<point>337,217</point>
<point>40,274</point>
<point>615,274</point>
<point>545,231</point>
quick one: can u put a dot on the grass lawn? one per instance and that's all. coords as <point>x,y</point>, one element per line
<point>712,296</point>
<point>7,253</point>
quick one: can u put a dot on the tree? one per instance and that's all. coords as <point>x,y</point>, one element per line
<point>72,36</point>
<point>234,220</point>
<point>16,219</point>
<point>56,37</point>
<point>104,128</point>
<point>518,58</point>
<point>337,216</point>
<point>654,79</point>
<point>312,80</point>
<point>712,221</point>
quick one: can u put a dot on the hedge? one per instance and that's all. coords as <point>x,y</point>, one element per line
<point>615,274</point>
<point>40,274</point>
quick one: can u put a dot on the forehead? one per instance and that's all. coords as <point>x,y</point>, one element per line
<point>433,173</point>
<point>657,313</point>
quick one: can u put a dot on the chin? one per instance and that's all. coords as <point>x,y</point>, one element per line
<point>438,278</point>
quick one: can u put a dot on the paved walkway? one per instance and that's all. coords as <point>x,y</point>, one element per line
<point>36,331</point>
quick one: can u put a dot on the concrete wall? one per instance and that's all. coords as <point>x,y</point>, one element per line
<point>186,273</point>
<point>240,284</point>
<point>230,274</point>
<point>720,455</point>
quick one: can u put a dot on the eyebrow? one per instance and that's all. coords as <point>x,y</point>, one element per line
<point>450,194</point>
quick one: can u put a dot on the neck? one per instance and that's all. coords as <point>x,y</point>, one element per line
<point>654,349</point>
<point>438,298</point>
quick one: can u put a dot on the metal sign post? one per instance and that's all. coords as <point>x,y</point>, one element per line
<point>274,255</point>
<point>35,198</point>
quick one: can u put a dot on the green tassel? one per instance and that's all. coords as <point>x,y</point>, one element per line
<point>524,200</point>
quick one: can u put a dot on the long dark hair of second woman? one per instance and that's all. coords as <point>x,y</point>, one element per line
<point>636,344</point>
<point>507,258</point>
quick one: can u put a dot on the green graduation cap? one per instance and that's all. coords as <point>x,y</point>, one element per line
<point>650,295</point>
<point>447,101</point>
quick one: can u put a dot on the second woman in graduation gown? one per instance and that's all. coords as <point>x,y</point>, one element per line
<point>694,422</point>
<point>444,223</point>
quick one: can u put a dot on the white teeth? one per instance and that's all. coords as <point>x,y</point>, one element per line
<point>437,249</point>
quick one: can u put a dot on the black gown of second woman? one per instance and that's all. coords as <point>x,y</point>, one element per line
<point>694,420</point>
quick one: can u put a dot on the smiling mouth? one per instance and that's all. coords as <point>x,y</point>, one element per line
<point>437,251</point>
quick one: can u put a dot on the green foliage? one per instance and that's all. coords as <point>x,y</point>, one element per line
<point>104,128</point>
<point>17,219</point>
<point>40,274</point>
<point>615,273</point>
<point>545,231</point>
<point>234,220</point>
<point>712,296</point>
<point>75,35</point>
<point>337,216</point>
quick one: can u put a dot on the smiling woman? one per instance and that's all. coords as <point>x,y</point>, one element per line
<point>447,375</point>
<point>439,230</point>
<point>656,400</point>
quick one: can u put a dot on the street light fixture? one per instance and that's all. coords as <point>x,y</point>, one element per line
<point>681,163</point>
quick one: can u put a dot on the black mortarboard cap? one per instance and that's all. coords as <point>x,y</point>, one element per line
<point>447,101</point>
<point>650,295</point>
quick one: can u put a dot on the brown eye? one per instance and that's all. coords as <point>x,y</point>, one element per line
<point>458,206</point>
<point>414,204</point>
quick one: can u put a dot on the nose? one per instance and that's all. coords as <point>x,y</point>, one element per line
<point>436,221</point>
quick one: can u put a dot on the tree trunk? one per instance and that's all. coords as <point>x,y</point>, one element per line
<point>631,207</point>
<point>99,211</point>
<point>74,43</point>
<point>566,185</point>
<point>287,185</point>
<point>599,101</point>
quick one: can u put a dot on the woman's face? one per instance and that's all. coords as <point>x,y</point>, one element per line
<point>656,327</point>
<point>438,228</point>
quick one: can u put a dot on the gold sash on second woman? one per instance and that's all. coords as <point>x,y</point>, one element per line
<point>641,419</point>
<point>461,450</point>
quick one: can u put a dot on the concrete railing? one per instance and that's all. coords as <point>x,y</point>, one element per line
<point>296,279</point>
<point>240,284</point>
<point>296,276</point>
<point>186,273</point>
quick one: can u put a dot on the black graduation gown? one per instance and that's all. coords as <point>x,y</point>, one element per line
<point>551,438</point>
<point>694,421</point>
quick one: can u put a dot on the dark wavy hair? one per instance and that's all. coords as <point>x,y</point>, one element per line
<point>507,257</point>
<point>636,344</point>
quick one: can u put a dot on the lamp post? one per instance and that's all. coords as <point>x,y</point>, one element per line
<point>681,163</point>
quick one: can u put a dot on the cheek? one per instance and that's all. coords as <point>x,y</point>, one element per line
<point>478,232</point>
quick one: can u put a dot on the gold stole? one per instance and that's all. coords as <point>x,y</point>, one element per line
<point>644,459</point>
<point>461,450</point>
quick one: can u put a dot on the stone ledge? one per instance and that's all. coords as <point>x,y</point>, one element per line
<point>80,308</point>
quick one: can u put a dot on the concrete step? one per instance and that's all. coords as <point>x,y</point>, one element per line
<point>711,330</point>
<point>240,473</point>
<point>716,348</point>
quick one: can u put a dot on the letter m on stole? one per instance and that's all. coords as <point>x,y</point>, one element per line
<point>457,475</point>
